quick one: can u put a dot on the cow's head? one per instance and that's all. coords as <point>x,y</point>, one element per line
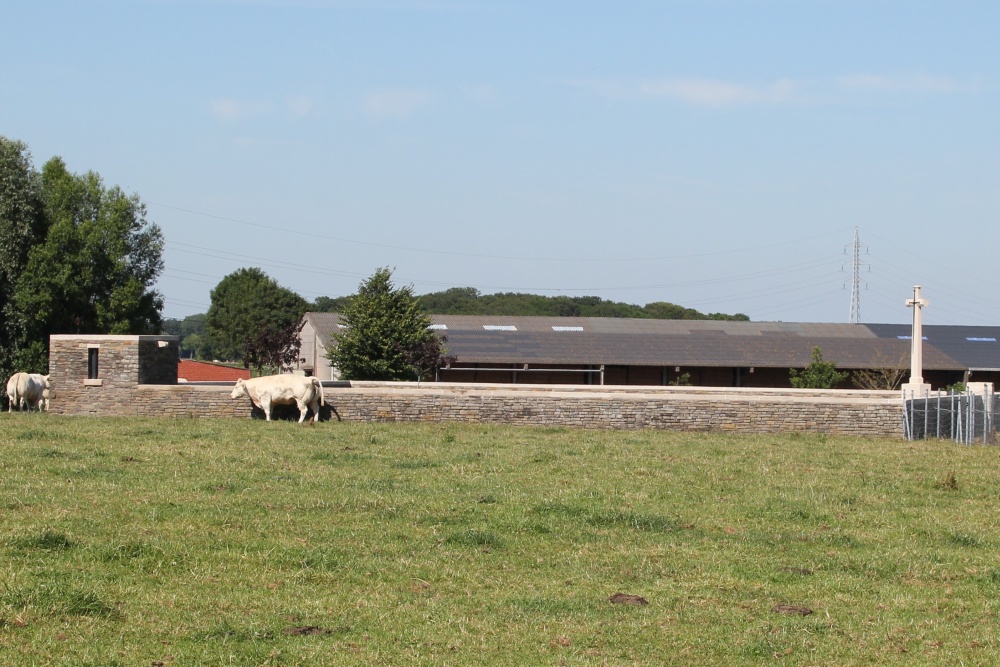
<point>239,390</point>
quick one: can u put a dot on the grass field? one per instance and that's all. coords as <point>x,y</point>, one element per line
<point>230,542</point>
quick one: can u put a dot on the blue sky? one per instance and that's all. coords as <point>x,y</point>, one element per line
<point>718,154</point>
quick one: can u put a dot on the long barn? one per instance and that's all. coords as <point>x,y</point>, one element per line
<point>615,351</point>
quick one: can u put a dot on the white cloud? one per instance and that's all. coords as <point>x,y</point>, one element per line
<point>709,92</point>
<point>229,110</point>
<point>395,103</point>
<point>484,94</point>
<point>721,93</point>
<point>917,83</point>
<point>700,92</point>
<point>299,106</point>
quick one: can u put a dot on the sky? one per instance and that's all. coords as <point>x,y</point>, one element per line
<point>723,155</point>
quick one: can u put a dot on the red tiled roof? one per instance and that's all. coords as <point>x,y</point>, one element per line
<point>202,371</point>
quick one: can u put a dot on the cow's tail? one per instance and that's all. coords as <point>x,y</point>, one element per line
<point>319,388</point>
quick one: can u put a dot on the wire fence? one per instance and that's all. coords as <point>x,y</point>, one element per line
<point>967,417</point>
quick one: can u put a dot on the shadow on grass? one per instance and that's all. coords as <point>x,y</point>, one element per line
<point>56,601</point>
<point>50,540</point>
<point>475,538</point>
<point>654,523</point>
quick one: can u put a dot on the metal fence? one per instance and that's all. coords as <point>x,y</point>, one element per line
<point>966,417</point>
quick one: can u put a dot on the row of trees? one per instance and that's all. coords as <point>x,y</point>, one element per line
<point>256,321</point>
<point>76,256</point>
<point>387,335</point>
<point>469,301</point>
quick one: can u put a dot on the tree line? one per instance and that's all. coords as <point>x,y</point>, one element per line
<point>249,296</point>
<point>80,257</point>
<point>76,256</point>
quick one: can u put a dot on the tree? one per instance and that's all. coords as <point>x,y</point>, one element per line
<point>274,349</point>
<point>191,330</point>
<point>888,376</point>
<point>454,301</point>
<point>86,266</point>
<point>468,301</point>
<point>245,303</point>
<point>425,356</point>
<point>22,225</point>
<point>818,374</point>
<point>387,335</point>
<point>326,304</point>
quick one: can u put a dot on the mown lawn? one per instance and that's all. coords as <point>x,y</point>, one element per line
<point>225,542</point>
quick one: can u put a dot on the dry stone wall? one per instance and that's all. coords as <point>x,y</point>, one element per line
<point>746,412</point>
<point>122,363</point>
<point>137,376</point>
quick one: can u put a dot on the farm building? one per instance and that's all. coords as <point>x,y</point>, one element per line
<point>612,351</point>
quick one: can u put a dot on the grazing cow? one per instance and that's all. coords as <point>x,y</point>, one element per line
<point>27,391</point>
<point>285,389</point>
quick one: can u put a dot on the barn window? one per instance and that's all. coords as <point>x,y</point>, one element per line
<point>92,367</point>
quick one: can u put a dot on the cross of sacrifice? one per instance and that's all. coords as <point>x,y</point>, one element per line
<point>917,337</point>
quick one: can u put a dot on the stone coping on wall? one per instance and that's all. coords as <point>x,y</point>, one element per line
<point>111,338</point>
<point>586,391</point>
<point>737,394</point>
<point>635,391</point>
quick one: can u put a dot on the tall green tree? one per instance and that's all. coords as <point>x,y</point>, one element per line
<point>193,339</point>
<point>387,334</point>
<point>22,225</point>
<point>326,304</point>
<point>244,304</point>
<point>818,374</point>
<point>78,257</point>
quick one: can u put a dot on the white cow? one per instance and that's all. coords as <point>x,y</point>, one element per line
<point>27,391</point>
<point>285,389</point>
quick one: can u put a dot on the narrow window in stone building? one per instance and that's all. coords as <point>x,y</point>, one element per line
<point>92,363</point>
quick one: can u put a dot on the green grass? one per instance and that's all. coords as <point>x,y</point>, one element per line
<point>238,542</point>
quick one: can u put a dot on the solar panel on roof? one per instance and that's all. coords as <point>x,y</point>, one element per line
<point>500,327</point>
<point>981,340</point>
<point>555,328</point>
<point>438,326</point>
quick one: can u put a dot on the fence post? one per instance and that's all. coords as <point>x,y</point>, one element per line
<point>927,399</point>
<point>938,414</point>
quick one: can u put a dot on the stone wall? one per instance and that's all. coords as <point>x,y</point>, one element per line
<point>122,362</point>
<point>746,411</point>
<point>138,377</point>
<point>676,408</point>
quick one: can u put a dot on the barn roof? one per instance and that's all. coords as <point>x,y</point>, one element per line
<point>648,342</point>
<point>976,347</point>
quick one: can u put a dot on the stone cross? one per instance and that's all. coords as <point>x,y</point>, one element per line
<point>916,383</point>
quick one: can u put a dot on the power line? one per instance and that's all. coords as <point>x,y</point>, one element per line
<point>314,235</point>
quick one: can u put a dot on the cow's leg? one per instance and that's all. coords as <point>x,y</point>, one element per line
<point>265,405</point>
<point>314,406</point>
<point>302,409</point>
